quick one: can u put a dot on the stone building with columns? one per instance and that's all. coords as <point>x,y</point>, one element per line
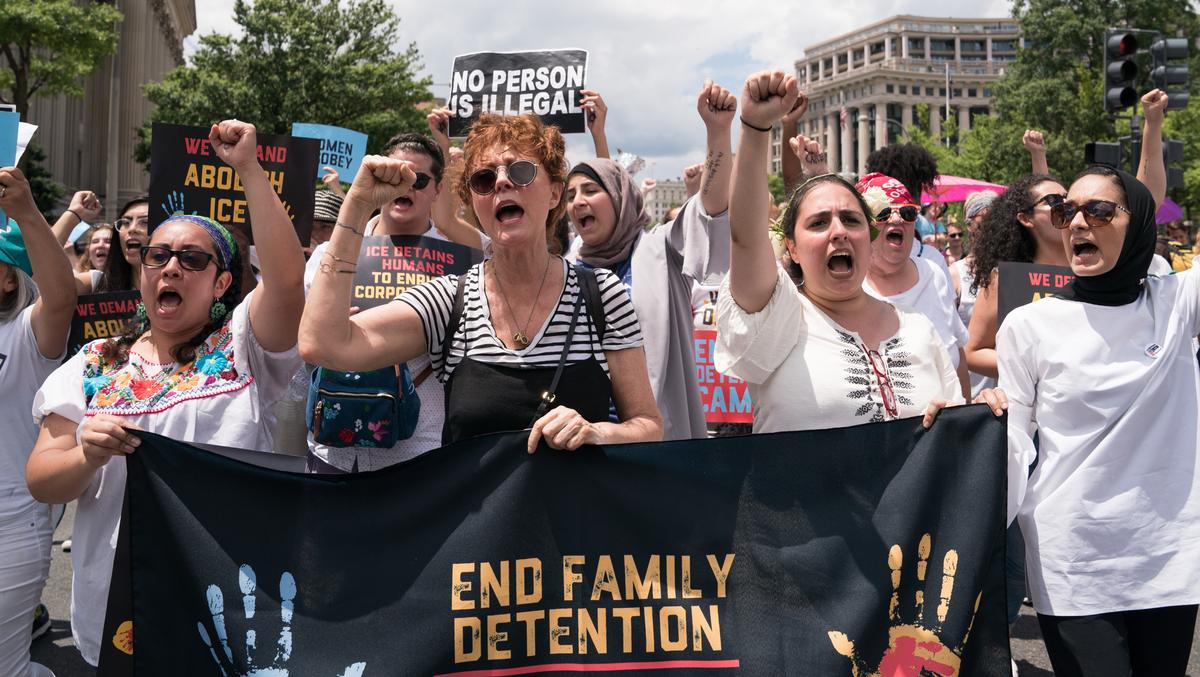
<point>865,87</point>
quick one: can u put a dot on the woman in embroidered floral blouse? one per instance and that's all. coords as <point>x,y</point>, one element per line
<point>195,365</point>
<point>818,352</point>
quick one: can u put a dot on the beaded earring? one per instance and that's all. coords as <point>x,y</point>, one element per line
<point>217,311</point>
<point>139,317</point>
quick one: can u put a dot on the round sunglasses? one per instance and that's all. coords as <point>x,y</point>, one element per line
<point>908,213</point>
<point>157,256</point>
<point>1095,212</point>
<point>520,172</point>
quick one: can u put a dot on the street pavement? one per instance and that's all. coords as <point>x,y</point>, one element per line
<point>57,651</point>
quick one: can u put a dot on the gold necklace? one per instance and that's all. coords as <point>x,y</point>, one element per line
<point>520,337</point>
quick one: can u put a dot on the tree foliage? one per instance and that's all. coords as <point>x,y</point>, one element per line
<point>47,47</point>
<point>319,61</point>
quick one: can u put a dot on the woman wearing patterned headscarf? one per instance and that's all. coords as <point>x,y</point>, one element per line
<point>1106,375</point>
<point>194,364</point>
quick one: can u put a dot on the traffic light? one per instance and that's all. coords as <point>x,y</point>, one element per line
<point>1120,70</point>
<point>1101,153</point>
<point>1166,75</point>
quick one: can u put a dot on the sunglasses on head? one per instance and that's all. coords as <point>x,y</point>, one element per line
<point>1095,213</point>
<point>157,256</point>
<point>907,213</point>
<point>423,180</point>
<point>1051,200</point>
<point>520,172</point>
<point>122,224</point>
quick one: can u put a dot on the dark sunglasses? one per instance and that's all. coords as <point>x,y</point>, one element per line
<point>520,172</point>
<point>1095,212</point>
<point>907,213</point>
<point>954,236</point>
<point>157,256</point>
<point>122,224</point>
<point>423,180</point>
<point>1051,199</point>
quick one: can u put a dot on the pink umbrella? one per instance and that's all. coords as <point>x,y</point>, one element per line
<point>1168,211</point>
<point>956,188</point>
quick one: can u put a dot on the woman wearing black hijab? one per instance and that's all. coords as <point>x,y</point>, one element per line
<point>1106,375</point>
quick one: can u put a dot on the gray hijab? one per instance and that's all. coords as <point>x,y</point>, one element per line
<point>629,206</point>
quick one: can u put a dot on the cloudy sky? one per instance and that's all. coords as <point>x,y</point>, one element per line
<point>648,58</point>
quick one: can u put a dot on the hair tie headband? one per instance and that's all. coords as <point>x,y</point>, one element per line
<point>226,246</point>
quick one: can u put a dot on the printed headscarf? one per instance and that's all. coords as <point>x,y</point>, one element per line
<point>222,239</point>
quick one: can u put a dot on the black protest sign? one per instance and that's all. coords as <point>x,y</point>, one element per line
<point>187,177</point>
<point>544,83</point>
<point>390,264</point>
<point>885,554</point>
<point>1022,283</point>
<point>100,316</point>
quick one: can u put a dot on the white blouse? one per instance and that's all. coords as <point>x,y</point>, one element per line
<point>933,297</point>
<point>1111,513</point>
<point>224,397</point>
<point>807,372</point>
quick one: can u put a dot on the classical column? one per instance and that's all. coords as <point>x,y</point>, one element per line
<point>964,120</point>
<point>864,138</point>
<point>844,141</point>
<point>831,143</point>
<point>881,125</point>
<point>935,123</point>
<point>906,115</point>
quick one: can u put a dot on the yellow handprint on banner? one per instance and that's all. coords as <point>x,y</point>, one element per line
<point>914,649</point>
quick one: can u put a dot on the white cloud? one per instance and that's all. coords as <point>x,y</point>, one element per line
<point>647,58</point>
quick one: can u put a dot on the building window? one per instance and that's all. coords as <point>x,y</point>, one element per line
<point>972,92</point>
<point>917,45</point>
<point>987,92</point>
<point>889,89</point>
<point>941,45</point>
<point>957,92</point>
<point>972,46</point>
<point>904,89</point>
<point>877,48</point>
<point>942,91</point>
<point>1004,45</point>
<point>929,91</point>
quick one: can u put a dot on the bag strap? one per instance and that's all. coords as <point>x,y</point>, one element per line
<point>425,373</point>
<point>548,396</point>
<point>595,302</point>
<point>455,317</point>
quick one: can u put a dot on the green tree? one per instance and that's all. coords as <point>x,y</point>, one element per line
<point>46,191</point>
<point>775,184</point>
<point>321,61</point>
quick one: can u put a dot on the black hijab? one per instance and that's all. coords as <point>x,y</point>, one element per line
<point>1123,284</point>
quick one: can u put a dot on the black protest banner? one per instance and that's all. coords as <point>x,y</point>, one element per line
<point>1023,283</point>
<point>545,83</point>
<point>100,316</point>
<point>187,177</point>
<point>388,265</point>
<point>866,550</point>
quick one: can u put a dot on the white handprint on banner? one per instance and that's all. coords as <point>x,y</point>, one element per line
<point>221,652</point>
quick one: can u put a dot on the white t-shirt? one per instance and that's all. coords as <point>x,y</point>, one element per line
<point>966,307</point>
<point>933,297</point>
<point>428,433</point>
<point>225,397</point>
<point>920,250</point>
<point>1111,514</point>
<point>807,372</point>
<point>22,370</point>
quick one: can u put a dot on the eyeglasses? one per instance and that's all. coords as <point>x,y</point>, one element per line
<point>908,213</point>
<point>954,236</point>
<point>122,224</point>
<point>520,172</point>
<point>157,256</point>
<point>423,180</point>
<point>1095,212</point>
<point>1052,200</point>
<point>885,384</point>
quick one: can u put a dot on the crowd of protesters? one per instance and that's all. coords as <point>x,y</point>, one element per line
<point>851,302</point>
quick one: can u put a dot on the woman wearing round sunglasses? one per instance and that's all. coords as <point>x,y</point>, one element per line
<point>195,365</point>
<point>895,276</point>
<point>1106,375</point>
<point>816,349</point>
<point>519,317</point>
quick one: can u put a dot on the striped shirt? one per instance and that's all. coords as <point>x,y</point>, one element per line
<point>434,300</point>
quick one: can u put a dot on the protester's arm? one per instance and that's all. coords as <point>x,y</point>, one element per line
<point>445,206</point>
<point>84,207</point>
<point>51,314</point>
<point>564,428</point>
<point>752,277</point>
<point>1151,169</point>
<point>716,106</point>
<point>333,181</point>
<point>964,378</point>
<point>981,334</point>
<point>278,300</point>
<point>60,469</point>
<point>389,334</point>
<point>1035,143</point>
<point>1018,378</point>
<point>790,167</point>
<point>814,161</point>
<point>597,113</point>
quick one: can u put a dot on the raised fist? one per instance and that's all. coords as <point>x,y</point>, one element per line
<point>235,142</point>
<point>716,105</point>
<point>380,180</point>
<point>767,97</point>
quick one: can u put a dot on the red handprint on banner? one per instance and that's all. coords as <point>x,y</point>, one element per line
<point>914,648</point>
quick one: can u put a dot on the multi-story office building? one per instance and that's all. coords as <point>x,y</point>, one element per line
<point>865,87</point>
<point>666,194</point>
<point>89,141</point>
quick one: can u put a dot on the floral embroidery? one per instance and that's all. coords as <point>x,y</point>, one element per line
<point>860,376</point>
<point>124,389</point>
